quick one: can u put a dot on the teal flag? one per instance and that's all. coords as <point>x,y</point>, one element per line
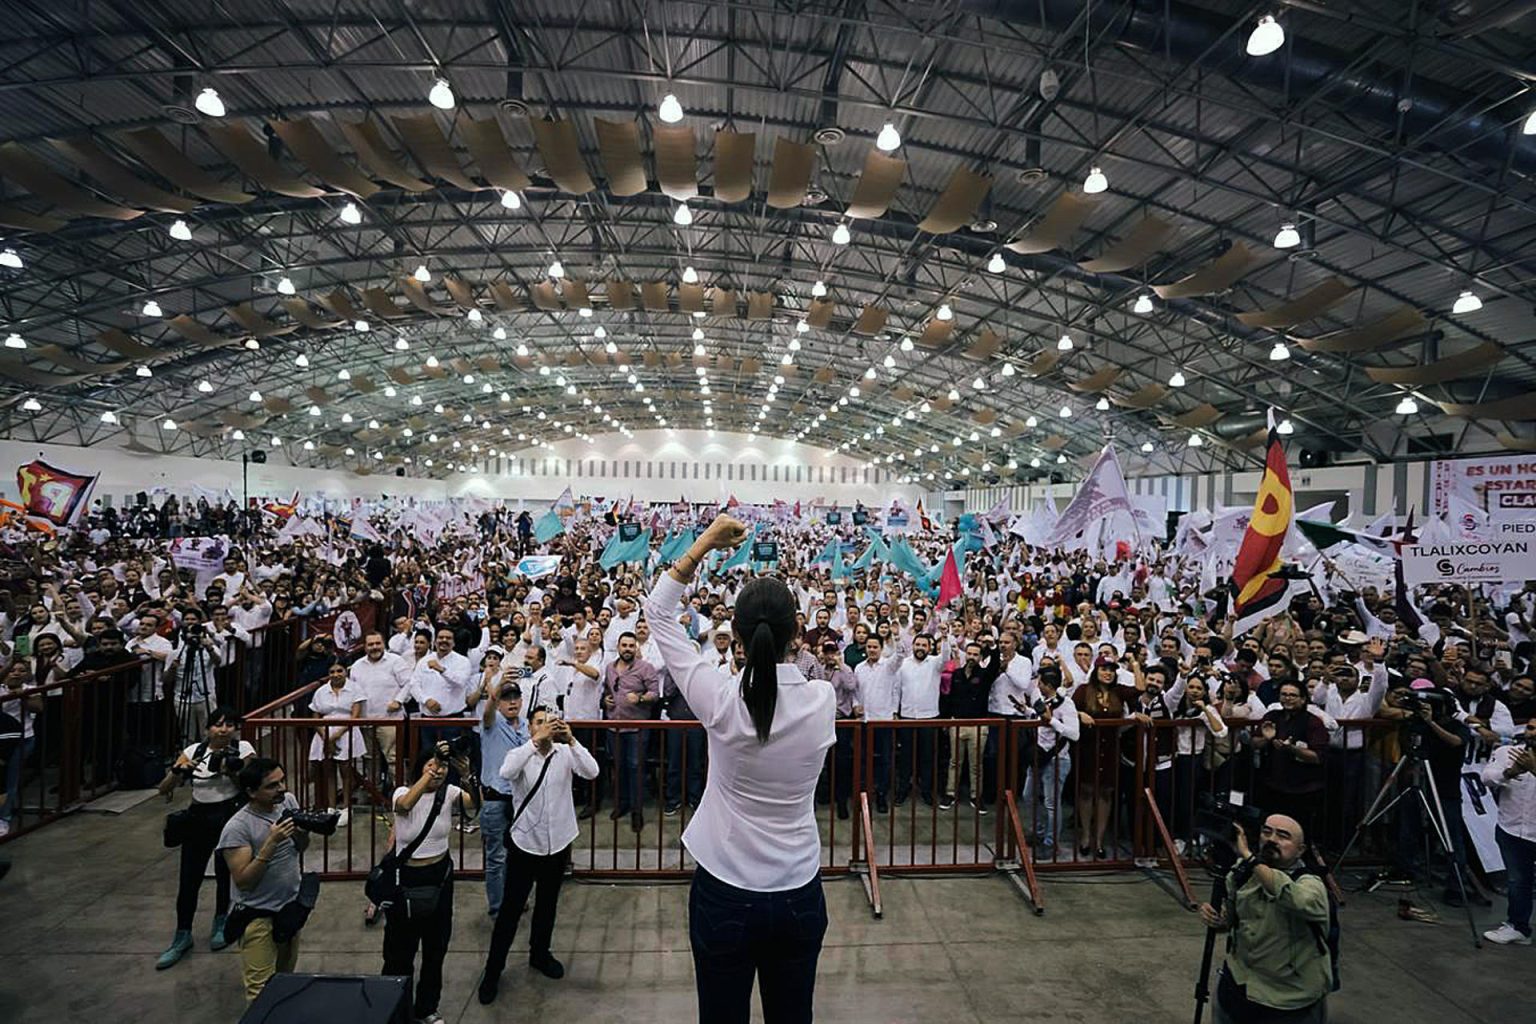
<point>618,551</point>
<point>828,553</point>
<point>877,545</point>
<point>548,528</point>
<point>906,560</point>
<point>676,545</point>
<point>741,555</point>
<point>863,561</point>
<point>839,572</point>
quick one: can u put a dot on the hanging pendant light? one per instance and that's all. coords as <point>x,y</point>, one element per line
<point>1467,302</point>
<point>208,102</point>
<point>1279,353</point>
<point>1096,182</point>
<point>1266,37</point>
<point>995,264</point>
<point>841,235</point>
<point>285,286</point>
<point>441,94</point>
<point>670,110</point>
<point>888,139</point>
<point>1287,237</point>
<point>1143,303</point>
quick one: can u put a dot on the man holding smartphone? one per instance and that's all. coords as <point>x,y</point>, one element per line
<point>539,776</point>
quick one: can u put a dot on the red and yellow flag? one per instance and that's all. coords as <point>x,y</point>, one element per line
<point>1259,593</point>
<point>53,494</point>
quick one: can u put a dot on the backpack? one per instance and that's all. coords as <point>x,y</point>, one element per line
<point>1327,938</point>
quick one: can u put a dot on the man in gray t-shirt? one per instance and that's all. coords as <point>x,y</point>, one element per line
<point>263,857</point>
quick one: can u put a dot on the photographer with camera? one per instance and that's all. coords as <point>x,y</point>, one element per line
<point>190,673</point>
<point>1511,773</point>
<point>1433,735</point>
<point>211,767</point>
<point>261,844</point>
<point>541,828</point>
<point>1279,965</point>
<point>423,915</point>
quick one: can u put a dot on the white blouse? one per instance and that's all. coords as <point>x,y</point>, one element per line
<point>328,702</point>
<point>407,825</point>
<point>756,825</point>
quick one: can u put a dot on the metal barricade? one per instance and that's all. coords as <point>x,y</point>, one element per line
<point>75,743</point>
<point>907,767</point>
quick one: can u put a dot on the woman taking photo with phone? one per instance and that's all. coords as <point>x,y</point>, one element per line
<point>210,766</point>
<point>423,917</point>
<point>756,910</point>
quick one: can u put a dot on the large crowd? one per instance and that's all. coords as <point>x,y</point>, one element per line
<point>1305,714</point>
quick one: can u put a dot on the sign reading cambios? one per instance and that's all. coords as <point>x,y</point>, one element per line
<point>1511,557</point>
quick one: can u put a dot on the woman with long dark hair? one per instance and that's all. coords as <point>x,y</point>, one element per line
<point>756,910</point>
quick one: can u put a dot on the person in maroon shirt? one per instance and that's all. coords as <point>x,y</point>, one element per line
<point>1292,742</point>
<point>631,688</point>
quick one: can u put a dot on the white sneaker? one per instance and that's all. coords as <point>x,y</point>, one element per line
<point>345,819</point>
<point>1507,934</point>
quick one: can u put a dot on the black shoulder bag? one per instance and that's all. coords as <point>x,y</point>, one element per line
<point>383,887</point>
<point>179,823</point>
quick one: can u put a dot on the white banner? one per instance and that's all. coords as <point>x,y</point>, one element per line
<point>1505,486</point>
<point>1508,559</point>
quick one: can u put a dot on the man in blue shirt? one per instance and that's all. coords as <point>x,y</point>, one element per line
<point>501,729</point>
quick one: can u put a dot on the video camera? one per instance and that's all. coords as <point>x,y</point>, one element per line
<point>1216,822</point>
<point>1439,702</point>
<point>320,823</point>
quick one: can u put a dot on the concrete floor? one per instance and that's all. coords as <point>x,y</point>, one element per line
<point>88,906</point>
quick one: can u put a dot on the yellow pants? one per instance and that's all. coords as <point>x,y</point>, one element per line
<point>260,957</point>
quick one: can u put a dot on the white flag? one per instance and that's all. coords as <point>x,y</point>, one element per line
<point>1466,520</point>
<point>1101,493</point>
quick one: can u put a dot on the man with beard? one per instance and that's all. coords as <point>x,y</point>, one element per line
<point>1278,965</point>
<point>631,688</point>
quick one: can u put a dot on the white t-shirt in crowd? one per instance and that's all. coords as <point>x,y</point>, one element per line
<point>208,786</point>
<point>409,823</point>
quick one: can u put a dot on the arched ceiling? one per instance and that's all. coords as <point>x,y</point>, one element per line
<point>1388,133</point>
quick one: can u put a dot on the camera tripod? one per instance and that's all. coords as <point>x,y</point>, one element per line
<point>1433,808</point>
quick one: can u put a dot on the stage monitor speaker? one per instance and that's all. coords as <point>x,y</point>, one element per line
<point>329,998</point>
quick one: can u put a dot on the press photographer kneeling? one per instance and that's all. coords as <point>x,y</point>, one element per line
<point>261,844</point>
<point>1279,965</point>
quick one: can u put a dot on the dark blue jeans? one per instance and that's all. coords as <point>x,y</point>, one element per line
<point>884,741</point>
<point>629,762</point>
<point>693,741</point>
<point>1519,861</point>
<point>739,935</point>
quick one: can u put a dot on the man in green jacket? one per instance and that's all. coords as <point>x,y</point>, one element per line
<point>1278,966</point>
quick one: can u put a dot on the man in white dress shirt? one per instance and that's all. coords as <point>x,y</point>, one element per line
<point>1013,686</point>
<point>879,695</point>
<point>539,772</point>
<point>381,676</point>
<point>440,683</point>
<point>918,698</point>
<point>623,621</point>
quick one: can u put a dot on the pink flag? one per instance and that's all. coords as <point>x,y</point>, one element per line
<point>949,579</point>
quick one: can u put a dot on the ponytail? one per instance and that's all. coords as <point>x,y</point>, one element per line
<point>760,679</point>
<point>765,622</point>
